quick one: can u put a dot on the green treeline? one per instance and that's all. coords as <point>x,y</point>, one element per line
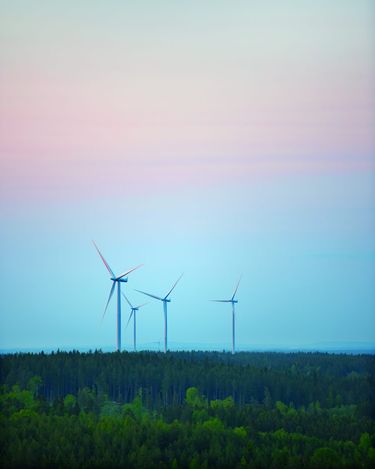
<point>187,409</point>
<point>301,378</point>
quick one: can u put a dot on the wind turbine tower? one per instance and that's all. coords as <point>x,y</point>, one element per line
<point>133,312</point>
<point>115,280</point>
<point>234,302</point>
<point>165,301</point>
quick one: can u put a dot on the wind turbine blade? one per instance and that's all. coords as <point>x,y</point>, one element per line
<point>131,314</point>
<point>109,298</point>
<point>104,261</point>
<point>235,291</point>
<point>140,306</point>
<point>128,272</point>
<point>123,294</point>
<point>222,301</point>
<point>149,294</point>
<point>170,291</point>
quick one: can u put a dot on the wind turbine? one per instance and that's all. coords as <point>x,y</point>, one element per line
<point>119,279</point>
<point>233,301</point>
<point>165,301</point>
<point>134,309</point>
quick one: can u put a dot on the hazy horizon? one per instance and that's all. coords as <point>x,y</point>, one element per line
<point>355,348</point>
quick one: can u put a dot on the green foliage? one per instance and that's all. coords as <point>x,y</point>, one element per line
<point>213,425</point>
<point>34,384</point>
<point>136,408</point>
<point>174,425</point>
<point>285,410</point>
<point>333,380</point>
<point>194,399</point>
<point>225,404</point>
<point>365,442</point>
<point>87,400</point>
<point>240,432</point>
<point>110,408</point>
<point>267,400</point>
<point>282,408</point>
<point>17,400</point>
<point>325,457</point>
<point>70,404</point>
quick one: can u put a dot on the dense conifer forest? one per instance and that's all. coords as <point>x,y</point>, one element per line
<point>187,409</point>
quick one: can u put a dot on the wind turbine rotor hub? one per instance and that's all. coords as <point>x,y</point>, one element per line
<point>123,280</point>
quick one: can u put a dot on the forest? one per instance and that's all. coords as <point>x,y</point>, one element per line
<point>187,410</point>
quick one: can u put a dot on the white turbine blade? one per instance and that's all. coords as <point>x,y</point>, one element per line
<point>104,261</point>
<point>170,291</point>
<point>235,291</point>
<point>222,301</point>
<point>109,298</point>
<point>128,272</point>
<point>123,294</point>
<point>131,314</point>
<point>140,306</point>
<point>149,294</point>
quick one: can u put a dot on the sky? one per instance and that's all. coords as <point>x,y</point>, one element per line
<point>212,138</point>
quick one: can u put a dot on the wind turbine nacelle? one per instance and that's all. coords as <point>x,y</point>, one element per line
<point>167,300</point>
<point>123,280</point>
<point>234,301</point>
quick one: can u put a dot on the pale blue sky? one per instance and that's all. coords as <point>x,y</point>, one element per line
<point>305,247</point>
<point>212,138</point>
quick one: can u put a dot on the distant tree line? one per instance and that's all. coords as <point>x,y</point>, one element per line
<point>298,378</point>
